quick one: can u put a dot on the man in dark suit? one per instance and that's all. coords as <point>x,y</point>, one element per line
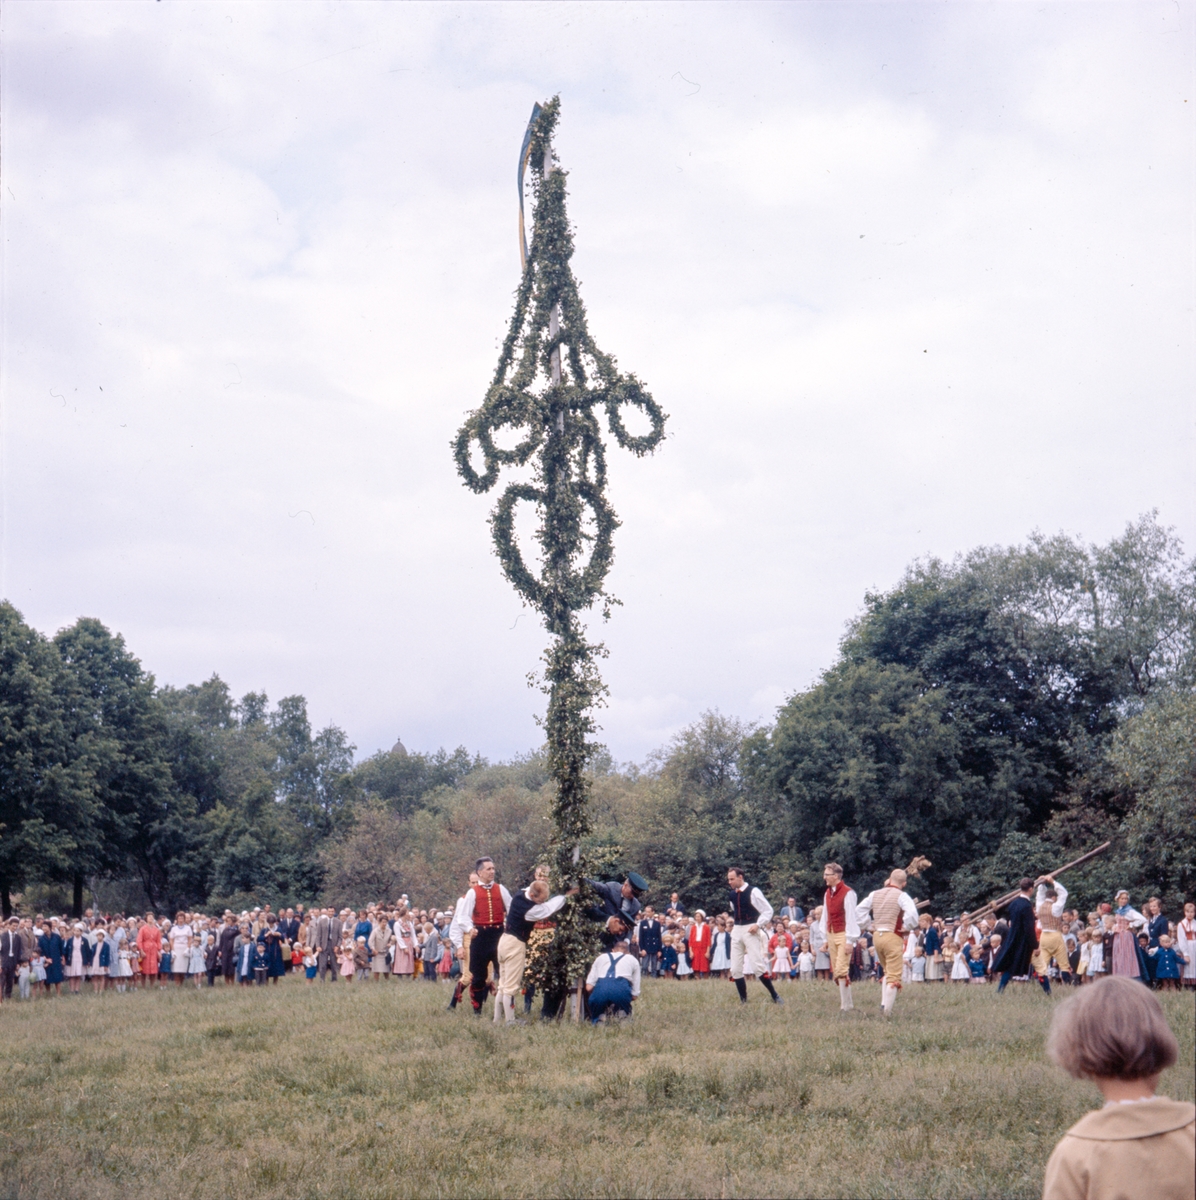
<point>651,943</point>
<point>12,953</point>
<point>1017,948</point>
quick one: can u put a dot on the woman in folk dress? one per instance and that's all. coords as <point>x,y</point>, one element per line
<point>404,951</point>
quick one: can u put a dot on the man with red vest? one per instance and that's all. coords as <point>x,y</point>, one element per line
<point>840,929</point>
<point>483,911</point>
<point>892,912</point>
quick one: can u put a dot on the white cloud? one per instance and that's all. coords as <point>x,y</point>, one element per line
<point>282,243</point>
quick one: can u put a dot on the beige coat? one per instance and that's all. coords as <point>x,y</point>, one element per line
<point>1127,1152</point>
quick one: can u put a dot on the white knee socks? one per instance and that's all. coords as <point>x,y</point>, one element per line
<point>508,1006</point>
<point>845,1004</point>
<point>888,993</point>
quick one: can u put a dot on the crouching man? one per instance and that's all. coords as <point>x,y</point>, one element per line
<point>613,982</point>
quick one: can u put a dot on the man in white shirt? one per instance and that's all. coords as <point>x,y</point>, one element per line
<point>460,940</point>
<point>840,930</point>
<point>483,911</point>
<point>1049,904</point>
<point>891,911</point>
<point>613,982</point>
<point>749,949</point>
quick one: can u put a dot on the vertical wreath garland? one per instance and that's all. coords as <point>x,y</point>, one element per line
<point>550,393</point>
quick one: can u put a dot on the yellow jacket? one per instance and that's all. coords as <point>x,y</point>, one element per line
<point>1127,1152</point>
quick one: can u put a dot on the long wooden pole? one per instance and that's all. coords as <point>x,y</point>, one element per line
<point>993,905</point>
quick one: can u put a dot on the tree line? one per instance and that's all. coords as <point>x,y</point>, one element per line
<point>996,713</point>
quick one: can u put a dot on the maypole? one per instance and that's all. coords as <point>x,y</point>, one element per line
<point>551,387</point>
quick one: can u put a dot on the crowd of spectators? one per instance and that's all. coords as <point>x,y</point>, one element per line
<point>384,942</point>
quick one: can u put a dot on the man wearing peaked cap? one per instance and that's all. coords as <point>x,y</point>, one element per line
<point>618,905</point>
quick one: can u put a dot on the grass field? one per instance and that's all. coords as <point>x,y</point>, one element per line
<point>371,1090</point>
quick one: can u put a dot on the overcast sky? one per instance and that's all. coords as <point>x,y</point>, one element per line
<point>907,278</point>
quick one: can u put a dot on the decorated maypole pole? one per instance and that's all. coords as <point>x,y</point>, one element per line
<point>551,389</point>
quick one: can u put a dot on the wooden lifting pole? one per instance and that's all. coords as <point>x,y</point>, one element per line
<point>1001,901</point>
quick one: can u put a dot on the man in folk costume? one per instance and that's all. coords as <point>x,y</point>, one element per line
<point>749,910</point>
<point>483,913</point>
<point>892,912</point>
<point>1020,943</point>
<point>840,929</point>
<point>1049,904</point>
<point>461,940</point>
<point>526,908</point>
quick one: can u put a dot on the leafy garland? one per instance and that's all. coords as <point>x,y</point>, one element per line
<point>559,433</point>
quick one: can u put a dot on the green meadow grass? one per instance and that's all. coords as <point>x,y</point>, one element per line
<point>374,1090</point>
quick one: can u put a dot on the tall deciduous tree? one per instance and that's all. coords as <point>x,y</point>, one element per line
<point>46,800</point>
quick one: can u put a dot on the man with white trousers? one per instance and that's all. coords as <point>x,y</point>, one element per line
<point>749,910</point>
<point>892,911</point>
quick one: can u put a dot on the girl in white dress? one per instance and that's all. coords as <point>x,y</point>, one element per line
<point>1185,943</point>
<point>782,962</point>
<point>197,967</point>
<point>720,959</point>
<point>966,935</point>
<point>805,962</point>
<point>122,968</point>
<point>683,965</point>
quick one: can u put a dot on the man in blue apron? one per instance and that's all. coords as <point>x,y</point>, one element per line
<point>613,982</point>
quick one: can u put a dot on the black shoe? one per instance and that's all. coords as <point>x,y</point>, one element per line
<point>778,999</point>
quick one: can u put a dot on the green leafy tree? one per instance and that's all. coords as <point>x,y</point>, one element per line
<point>118,733</point>
<point>46,799</point>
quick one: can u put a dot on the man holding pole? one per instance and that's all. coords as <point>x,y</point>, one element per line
<point>1020,944</point>
<point>1049,904</point>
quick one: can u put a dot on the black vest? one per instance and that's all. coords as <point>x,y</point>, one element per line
<point>742,908</point>
<point>517,924</point>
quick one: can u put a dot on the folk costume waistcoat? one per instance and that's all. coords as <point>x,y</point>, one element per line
<point>836,916</point>
<point>886,910</point>
<point>1047,919</point>
<point>517,924</point>
<point>744,911</point>
<point>488,910</point>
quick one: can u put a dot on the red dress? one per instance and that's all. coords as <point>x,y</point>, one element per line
<point>149,942</point>
<point>699,947</point>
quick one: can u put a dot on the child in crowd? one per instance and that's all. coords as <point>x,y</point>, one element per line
<point>917,968</point>
<point>1138,1143</point>
<point>805,962</point>
<point>310,964</point>
<point>681,945</point>
<point>668,957</point>
<point>781,961</point>
<point>261,967</point>
<point>1168,964</point>
<point>974,959</point>
<point>361,960</point>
